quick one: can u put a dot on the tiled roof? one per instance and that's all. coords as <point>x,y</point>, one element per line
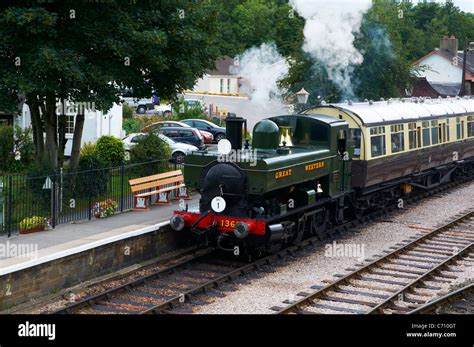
<point>223,67</point>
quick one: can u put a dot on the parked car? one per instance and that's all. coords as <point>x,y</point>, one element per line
<point>191,136</point>
<point>130,141</point>
<point>195,103</point>
<point>142,105</point>
<point>207,136</point>
<point>202,124</point>
<point>178,150</point>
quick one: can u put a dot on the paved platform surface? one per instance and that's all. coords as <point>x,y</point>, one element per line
<point>67,239</point>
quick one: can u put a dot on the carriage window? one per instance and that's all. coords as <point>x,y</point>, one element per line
<point>426,134</point>
<point>355,136</point>
<point>470,126</point>
<point>398,139</point>
<point>459,129</point>
<point>434,132</point>
<point>446,135</point>
<point>377,141</point>
<point>435,135</point>
<point>412,136</point>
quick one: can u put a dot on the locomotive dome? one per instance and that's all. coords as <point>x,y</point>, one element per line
<point>266,135</point>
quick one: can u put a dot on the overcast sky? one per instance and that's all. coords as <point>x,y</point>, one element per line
<point>465,5</point>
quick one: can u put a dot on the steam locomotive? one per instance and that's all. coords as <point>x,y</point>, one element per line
<point>324,166</point>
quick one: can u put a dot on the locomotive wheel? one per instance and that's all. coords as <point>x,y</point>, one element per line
<point>275,247</point>
<point>319,223</point>
<point>298,233</point>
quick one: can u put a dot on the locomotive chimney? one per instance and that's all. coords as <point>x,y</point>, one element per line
<point>234,130</point>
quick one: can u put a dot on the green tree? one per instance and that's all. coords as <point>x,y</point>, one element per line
<point>6,146</point>
<point>150,147</point>
<point>86,52</point>
<point>127,111</point>
<point>110,150</point>
<point>253,22</point>
<point>25,148</point>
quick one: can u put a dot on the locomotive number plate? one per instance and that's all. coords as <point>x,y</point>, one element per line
<point>226,223</point>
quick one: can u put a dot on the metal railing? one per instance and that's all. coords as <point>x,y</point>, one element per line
<point>64,197</point>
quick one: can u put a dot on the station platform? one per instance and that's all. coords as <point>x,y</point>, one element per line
<point>71,253</point>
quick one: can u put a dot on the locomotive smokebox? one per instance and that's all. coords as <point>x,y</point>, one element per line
<point>234,130</point>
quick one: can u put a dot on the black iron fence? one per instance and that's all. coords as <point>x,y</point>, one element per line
<point>28,203</point>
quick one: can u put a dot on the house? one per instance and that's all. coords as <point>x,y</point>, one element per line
<point>96,123</point>
<point>442,70</point>
<point>221,80</point>
<point>422,88</point>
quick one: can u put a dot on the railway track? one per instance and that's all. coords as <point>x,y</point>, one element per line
<point>399,281</point>
<point>167,285</point>
<point>178,288</point>
<point>457,301</point>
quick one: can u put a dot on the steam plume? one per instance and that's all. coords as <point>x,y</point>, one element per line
<point>329,35</point>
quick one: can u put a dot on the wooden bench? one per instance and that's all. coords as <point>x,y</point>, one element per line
<point>160,184</point>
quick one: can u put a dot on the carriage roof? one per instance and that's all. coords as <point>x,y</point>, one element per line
<point>406,110</point>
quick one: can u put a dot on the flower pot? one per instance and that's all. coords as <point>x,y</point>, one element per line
<point>32,230</point>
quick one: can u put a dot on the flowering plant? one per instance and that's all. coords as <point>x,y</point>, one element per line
<point>34,222</point>
<point>104,208</point>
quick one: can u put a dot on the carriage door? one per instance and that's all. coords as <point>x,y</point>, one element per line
<point>344,156</point>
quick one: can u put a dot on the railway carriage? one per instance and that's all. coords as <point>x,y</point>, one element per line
<point>404,144</point>
<point>324,166</point>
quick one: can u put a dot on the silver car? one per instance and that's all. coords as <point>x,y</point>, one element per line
<point>178,150</point>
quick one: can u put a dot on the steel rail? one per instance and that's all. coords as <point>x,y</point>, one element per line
<point>91,300</point>
<point>389,301</point>
<point>453,296</point>
<point>319,293</point>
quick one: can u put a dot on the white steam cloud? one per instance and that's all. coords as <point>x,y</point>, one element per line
<point>329,33</point>
<point>261,69</point>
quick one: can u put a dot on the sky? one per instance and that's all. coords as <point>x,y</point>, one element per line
<point>464,5</point>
